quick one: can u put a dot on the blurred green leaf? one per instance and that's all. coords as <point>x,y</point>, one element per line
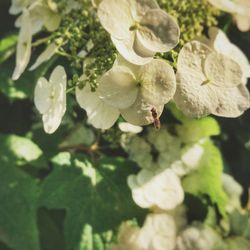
<point>18,197</point>
<point>95,195</point>
<point>19,151</point>
<point>206,180</point>
<point>7,47</point>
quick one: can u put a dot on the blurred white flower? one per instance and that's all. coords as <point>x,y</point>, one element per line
<point>17,6</point>
<point>129,128</point>
<point>209,83</point>
<point>199,237</point>
<point>233,190</point>
<point>50,99</point>
<point>220,42</point>
<point>136,90</point>
<point>138,28</point>
<point>23,51</point>
<point>240,9</point>
<point>161,189</point>
<point>158,232</point>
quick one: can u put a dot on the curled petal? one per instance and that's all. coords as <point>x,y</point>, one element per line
<point>158,31</point>
<point>115,16</point>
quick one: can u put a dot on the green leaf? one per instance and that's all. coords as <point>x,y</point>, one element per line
<point>95,195</point>
<point>193,130</point>
<point>207,179</point>
<point>19,151</point>
<point>7,47</point>
<point>18,197</point>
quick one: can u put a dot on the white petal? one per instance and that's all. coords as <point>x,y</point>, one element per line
<point>243,22</point>
<point>58,77</point>
<point>115,16</point>
<point>140,7</point>
<point>222,71</point>
<point>100,115</point>
<point>118,87</point>
<point>45,56</point>
<point>42,95</point>
<point>53,117</point>
<point>129,128</point>
<point>24,46</point>
<point>131,51</point>
<point>158,31</point>
<point>158,82</point>
<point>232,101</point>
<point>140,113</point>
<point>17,6</point>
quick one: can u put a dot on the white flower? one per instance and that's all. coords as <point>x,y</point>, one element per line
<point>240,9</point>
<point>158,232</point>
<point>129,128</point>
<point>100,114</point>
<point>138,28</point>
<point>45,55</point>
<point>219,42</point>
<point>23,52</point>
<point>199,237</point>
<point>17,6</point>
<point>50,99</point>
<point>209,83</point>
<point>136,90</point>
<point>161,189</point>
<point>233,190</point>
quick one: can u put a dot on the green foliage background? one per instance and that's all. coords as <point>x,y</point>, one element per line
<point>51,199</point>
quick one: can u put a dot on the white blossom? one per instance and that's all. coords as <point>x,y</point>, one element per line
<point>240,9</point>
<point>50,99</point>
<point>136,90</point>
<point>219,41</point>
<point>160,189</point>
<point>209,83</point>
<point>138,28</point>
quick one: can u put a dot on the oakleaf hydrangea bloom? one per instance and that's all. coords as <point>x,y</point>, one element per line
<point>138,28</point>
<point>220,43</point>
<point>137,90</point>
<point>157,233</point>
<point>240,9</point>
<point>160,189</point>
<point>50,99</point>
<point>199,237</point>
<point>209,83</point>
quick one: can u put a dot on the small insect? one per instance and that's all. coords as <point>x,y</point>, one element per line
<point>157,121</point>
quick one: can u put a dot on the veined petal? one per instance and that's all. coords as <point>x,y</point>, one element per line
<point>23,52</point>
<point>42,95</point>
<point>222,71</point>
<point>129,50</point>
<point>45,56</point>
<point>140,113</point>
<point>53,117</point>
<point>140,7</point>
<point>115,16</point>
<point>58,77</point>
<point>100,114</point>
<point>118,88</point>
<point>158,31</point>
<point>232,101</point>
<point>158,82</point>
